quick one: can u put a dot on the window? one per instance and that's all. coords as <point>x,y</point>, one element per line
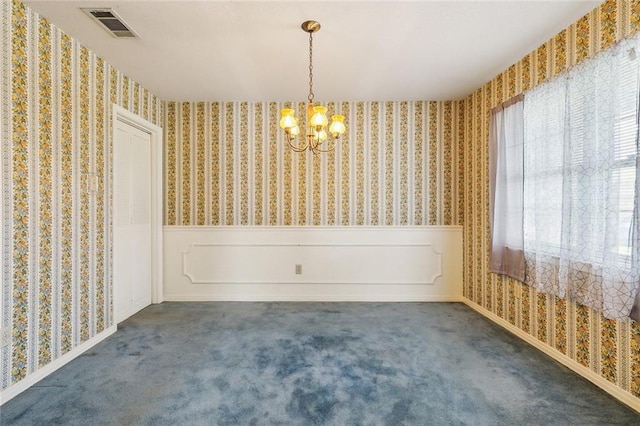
<point>579,181</point>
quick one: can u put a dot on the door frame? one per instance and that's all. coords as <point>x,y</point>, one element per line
<point>124,115</point>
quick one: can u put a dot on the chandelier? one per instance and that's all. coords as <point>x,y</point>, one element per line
<point>317,137</point>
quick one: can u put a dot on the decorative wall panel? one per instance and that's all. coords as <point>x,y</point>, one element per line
<point>55,124</point>
<point>340,263</point>
<point>337,262</point>
<point>609,348</point>
<point>397,165</point>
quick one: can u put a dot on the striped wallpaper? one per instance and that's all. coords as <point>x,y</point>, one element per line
<point>55,121</point>
<point>609,348</point>
<point>398,164</point>
<point>401,163</point>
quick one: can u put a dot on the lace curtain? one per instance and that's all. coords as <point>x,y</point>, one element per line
<point>580,172</point>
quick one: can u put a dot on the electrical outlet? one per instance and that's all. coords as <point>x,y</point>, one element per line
<point>298,269</point>
<point>5,337</point>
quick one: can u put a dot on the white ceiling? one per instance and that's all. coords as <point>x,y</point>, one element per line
<point>366,50</point>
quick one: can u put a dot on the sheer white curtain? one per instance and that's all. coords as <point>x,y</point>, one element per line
<point>580,152</point>
<point>506,135</point>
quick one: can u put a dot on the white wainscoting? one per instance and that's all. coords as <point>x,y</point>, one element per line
<point>245,263</point>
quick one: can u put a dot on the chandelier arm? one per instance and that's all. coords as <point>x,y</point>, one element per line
<point>330,148</point>
<point>294,147</point>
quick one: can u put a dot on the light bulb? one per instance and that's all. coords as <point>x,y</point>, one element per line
<point>337,126</point>
<point>320,135</point>
<point>288,120</point>
<point>319,117</point>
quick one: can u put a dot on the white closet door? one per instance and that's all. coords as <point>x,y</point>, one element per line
<point>132,220</point>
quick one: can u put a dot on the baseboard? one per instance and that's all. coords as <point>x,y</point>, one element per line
<point>618,393</point>
<point>40,374</point>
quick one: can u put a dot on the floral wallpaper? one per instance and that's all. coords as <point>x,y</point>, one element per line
<point>228,164</point>
<point>401,163</point>
<point>607,347</point>
<point>55,121</point>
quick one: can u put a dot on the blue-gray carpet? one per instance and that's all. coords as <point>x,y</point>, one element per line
<point>313,363</point>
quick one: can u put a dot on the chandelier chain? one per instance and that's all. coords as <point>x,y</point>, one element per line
<point>310,97</point>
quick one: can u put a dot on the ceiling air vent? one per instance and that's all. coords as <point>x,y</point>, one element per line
<point>111,22</point>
